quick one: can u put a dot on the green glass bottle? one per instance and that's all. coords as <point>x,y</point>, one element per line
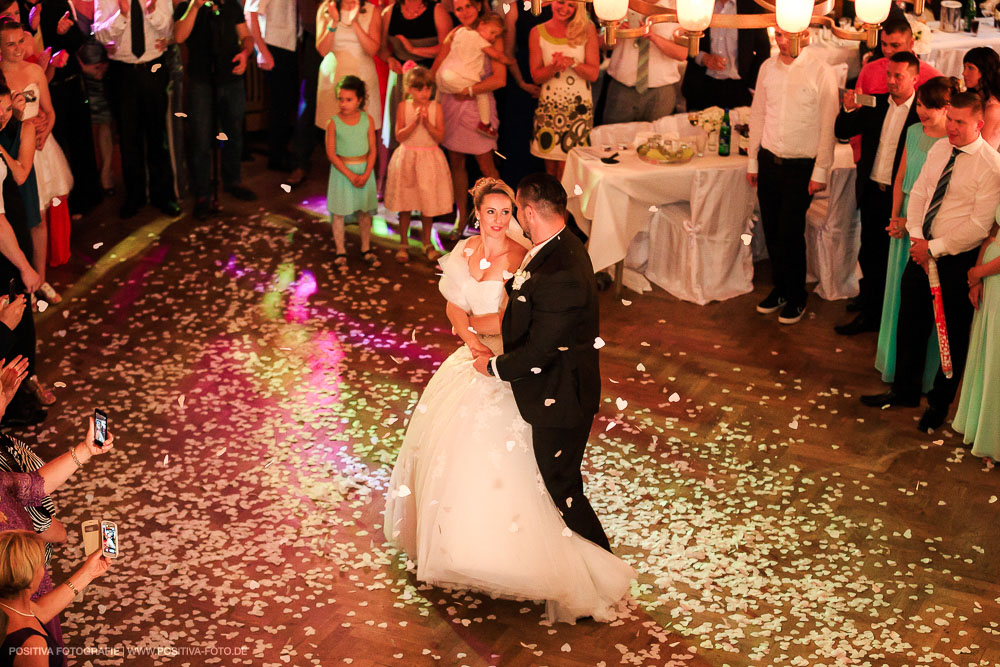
<point>725,134</point>
<point>970,15</point>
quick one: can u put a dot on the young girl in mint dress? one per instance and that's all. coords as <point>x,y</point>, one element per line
<point>978,415</point>
<point>932,103</point>
<point>350,147</point>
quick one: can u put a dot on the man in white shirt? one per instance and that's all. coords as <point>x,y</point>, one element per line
<point>274,27</point>
<point>644,75</point>
<point>883,135</point>
<point>950,211</point>
<point>136,34</point>
<point>725,71</point>
<point>791,153</point>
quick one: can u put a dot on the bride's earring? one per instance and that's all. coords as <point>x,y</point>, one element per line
<point>475,222</point>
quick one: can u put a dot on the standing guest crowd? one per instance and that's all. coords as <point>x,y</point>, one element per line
<point>928,190</point>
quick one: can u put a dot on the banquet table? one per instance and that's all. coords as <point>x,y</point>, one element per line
<point>948,49</point>
<point>697,225</point>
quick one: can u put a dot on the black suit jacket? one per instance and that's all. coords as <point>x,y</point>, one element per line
<point>549,329</point>
<point>752,48</point>
<point>867,121</point>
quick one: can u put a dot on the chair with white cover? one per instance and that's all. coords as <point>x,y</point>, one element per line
<point>617,134</point>
<point>697,251</point>
<point>833,237</point>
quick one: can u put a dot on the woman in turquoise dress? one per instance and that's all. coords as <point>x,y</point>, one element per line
<point>932,102</point>
<point>978,415</point>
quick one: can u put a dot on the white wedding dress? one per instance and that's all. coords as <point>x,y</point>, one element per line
<point>466,501</point>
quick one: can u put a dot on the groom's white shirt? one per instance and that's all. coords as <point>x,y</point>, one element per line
<point>528,256</point>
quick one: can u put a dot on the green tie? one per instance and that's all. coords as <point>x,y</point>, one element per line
<point>642,66</point>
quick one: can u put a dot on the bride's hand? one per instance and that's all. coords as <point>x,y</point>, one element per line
<point>480,350</point>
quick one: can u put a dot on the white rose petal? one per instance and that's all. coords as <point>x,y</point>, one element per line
<point>484,264</point>
<point>599,343</point>
<point>549,401</point>
<point>621,403</point>
<point>404,491</point>
<point>577,190</point>
<point>746,238</point>
<point>286,187</point>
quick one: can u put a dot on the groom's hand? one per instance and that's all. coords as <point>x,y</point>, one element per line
<point>480,364</point>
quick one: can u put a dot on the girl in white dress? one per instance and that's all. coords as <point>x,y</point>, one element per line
<point>466,501</point>
<point>30,90</point>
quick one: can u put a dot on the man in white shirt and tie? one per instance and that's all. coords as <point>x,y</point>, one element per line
<point>136,33</point>
<point>791,153</point>
<point>951,210</point>
<point>643,75</point>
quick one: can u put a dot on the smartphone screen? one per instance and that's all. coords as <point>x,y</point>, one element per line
<point>100,427</point>
<point>109,539</point>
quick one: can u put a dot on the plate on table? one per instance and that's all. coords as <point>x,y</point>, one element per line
<point>659,154</point>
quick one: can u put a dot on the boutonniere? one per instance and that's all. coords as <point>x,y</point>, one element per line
<point>519,278</point>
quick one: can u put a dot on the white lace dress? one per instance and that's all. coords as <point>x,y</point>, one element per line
<point>51,168</point>
<point>466,501</point>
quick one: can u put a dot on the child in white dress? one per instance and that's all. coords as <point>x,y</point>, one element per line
<point>465,61</point>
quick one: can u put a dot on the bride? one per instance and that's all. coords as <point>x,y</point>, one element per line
<point>466,501</point>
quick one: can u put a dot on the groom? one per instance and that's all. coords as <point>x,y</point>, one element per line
<point>550,328</point>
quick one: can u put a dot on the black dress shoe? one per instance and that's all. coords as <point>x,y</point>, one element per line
<point>860,324</point>
<point>854,305</point>
<point>204,209</point>
<point>130,209</point>
<point>891,399</point>
<point>242,193</point>
<point>169,208</point>
<point>931,419</point>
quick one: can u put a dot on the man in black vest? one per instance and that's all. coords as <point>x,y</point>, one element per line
<point>551,342</point>
<point>883,135</point>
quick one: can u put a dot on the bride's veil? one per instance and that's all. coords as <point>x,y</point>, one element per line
<point>515,232</point>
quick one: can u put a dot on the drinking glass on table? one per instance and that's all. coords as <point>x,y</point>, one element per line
<point>700,143</point>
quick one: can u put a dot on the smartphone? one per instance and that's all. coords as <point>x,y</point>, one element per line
<point>91,536</point>
<point>100,427</point>
<point>109,539</point>
<point>11,291</point>
<point>864,100</point>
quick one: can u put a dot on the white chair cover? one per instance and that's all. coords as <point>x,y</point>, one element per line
<point>833,237</point>
<point>617,133</point>
<point>706,260</point>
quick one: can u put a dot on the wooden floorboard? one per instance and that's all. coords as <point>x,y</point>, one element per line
<point>772,518</point>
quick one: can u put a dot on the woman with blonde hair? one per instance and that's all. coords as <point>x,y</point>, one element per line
<point>26,640</point>
<point>564,62</point>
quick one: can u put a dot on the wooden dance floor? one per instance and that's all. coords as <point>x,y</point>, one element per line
<point>259,398</point>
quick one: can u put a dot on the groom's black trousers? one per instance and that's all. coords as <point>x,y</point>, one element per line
<point>564,480</point>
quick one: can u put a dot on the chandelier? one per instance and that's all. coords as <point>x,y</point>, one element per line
<point>793,17</point>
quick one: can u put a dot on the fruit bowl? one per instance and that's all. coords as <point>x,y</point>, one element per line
<point>660,154</point>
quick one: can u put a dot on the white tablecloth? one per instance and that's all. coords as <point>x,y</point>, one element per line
<point>695,215</point>
<point>948,49</point>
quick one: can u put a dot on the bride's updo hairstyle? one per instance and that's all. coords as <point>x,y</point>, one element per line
<point>489,186</point>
